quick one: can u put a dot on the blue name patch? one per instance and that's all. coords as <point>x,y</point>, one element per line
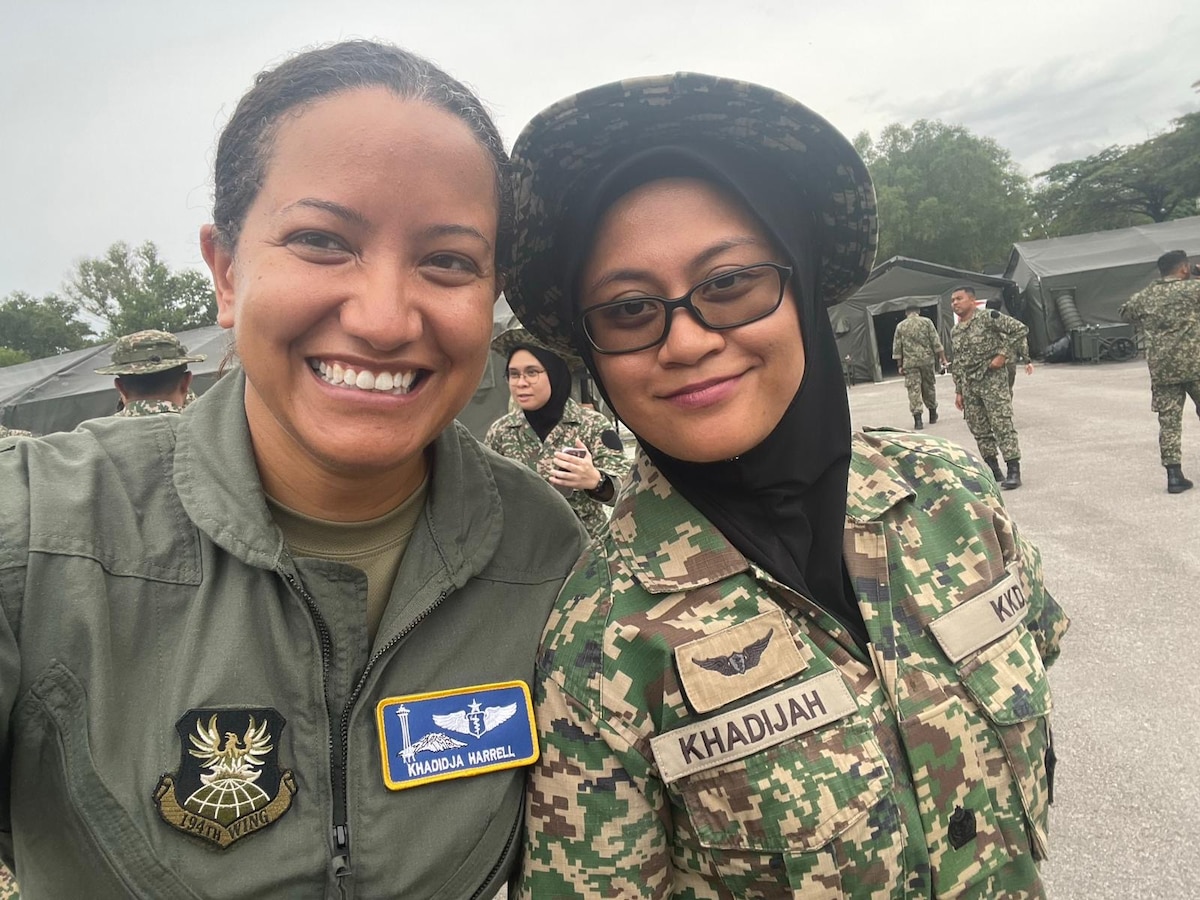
<point>455,733</point>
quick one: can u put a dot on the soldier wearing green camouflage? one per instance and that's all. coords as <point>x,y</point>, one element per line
<point>983,342</point>
<point>1167,313</point>
<point>917,349</point>
<point>797,663</point>
<point>512,436</point>
<point>152,373</point>
<point>937,728</point>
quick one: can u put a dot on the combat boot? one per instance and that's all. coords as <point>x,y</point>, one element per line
<point>994,465</point>
<point>1176,483</point>
<point>917,426</point>
<point>933,415</point>
<point>1013,479</point>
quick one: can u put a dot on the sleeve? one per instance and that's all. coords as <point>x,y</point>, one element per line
<point>1014,332</point>
<point>491,440</point>
<point>898,343</point>
<point>938,349</point>
<point>1022,351</point>
<point>594,820</point>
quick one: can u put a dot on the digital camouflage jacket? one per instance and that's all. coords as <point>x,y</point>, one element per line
<point>979,339</point>
<point>1168,315</point>
<point>916,343</point>
<point>135,408</point>
<point>707,733</point>
<point>512,437</point>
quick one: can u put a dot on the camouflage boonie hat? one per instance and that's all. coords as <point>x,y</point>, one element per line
<point>508,340</point>
<point>144,352</point>
<point>567,147</point>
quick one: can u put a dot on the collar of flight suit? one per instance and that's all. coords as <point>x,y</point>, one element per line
<point>217,480</point>
<point>668,545</point>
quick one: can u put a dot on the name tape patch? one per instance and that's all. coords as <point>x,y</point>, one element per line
<point>456,733</point>
<point>748,729</point>
<point>738,661</point>
<point>982,619</point>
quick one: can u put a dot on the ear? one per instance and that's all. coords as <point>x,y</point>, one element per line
<point>120,390</point>
<point>220,262</point>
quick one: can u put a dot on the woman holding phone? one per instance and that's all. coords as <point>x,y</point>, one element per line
<point>573,448</point>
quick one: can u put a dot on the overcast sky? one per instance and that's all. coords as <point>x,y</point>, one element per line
<point>109,109</point>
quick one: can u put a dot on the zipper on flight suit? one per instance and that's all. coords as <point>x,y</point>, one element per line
<point>339,746</point>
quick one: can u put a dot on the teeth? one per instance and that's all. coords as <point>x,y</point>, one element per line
<point>363,380</point>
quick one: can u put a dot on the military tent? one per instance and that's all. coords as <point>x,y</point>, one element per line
<point>57,393</point>
<point>1084,278</point>
<point>865,323</point>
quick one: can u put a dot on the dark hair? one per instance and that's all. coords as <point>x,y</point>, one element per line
<point>1170,261</point>
<point>245,144</point>
<point>152,384</point>
<point>965,288</point>
<point>911,307</point>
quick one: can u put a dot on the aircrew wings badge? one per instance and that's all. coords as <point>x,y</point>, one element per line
<point>455,733</point>
<point>229,783</point>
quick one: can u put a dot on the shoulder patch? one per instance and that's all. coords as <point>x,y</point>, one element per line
<point>229,783</point>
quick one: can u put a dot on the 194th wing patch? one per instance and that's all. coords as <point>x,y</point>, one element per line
<point>229,783</point>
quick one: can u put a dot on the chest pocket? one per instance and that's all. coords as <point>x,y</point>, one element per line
<point>797,816</point>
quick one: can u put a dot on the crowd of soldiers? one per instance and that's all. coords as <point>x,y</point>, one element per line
<point>988,345</point>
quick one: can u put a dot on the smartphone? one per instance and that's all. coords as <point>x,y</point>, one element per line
<point>575,451</point>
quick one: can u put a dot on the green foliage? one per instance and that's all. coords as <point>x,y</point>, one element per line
<point>131,289</point>
<point>39,328</point>
<point>1154,181</point>
<point>945,195</point>
<point>10,357</point>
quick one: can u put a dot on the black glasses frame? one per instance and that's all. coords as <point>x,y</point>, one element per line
<point>685,302</point>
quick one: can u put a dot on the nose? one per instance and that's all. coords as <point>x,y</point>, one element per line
<point>385,308</point>
<point>688,340</point>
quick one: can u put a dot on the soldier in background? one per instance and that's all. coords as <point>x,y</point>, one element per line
<point>152,373</point>
<point>983,342</point>
<point>1022,356</point>
<point>14,432</point>
<point>917,348</point>
<point>1168,315</point>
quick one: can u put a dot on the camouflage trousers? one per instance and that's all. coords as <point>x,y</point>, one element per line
<point>8,884</point>
<point>987,407</point>
<point>1167,400</point>
<point>920,382</point>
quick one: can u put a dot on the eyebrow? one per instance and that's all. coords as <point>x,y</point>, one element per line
<point>448,229</point>
<point>699,259</point>
<point>345,213</point>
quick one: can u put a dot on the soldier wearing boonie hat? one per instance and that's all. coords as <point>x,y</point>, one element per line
<point>152,374</point>
<point>775,673</point>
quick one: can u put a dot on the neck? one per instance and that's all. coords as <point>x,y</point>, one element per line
<point>317,488</point>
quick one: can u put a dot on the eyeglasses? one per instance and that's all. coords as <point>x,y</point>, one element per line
<point>530,375</point>
<point>733,298</point>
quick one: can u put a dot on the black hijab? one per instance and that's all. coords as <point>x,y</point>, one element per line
<point>782,503</point>
<point>543,420</point>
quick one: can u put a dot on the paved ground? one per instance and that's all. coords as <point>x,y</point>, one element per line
<point>1123,557</point>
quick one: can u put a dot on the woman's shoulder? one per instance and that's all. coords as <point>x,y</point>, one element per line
<point>919,459</point>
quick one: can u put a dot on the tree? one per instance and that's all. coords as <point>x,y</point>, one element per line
<point>11,357</point>
<point>39,328</point>
<point>945,194</point>
<point>1154,181</point>
<point>131,289</point>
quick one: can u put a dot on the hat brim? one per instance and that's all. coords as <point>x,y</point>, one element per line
<point>568,146</point>
<point>150,368</point>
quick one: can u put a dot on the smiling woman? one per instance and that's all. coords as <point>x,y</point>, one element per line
<point>798,662</point>
<point>280,616</point>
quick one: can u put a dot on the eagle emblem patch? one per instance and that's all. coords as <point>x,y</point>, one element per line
<point>229,783</point>
<point>456,733</point>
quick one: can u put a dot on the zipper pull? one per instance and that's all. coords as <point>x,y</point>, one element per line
<point>341,856</point>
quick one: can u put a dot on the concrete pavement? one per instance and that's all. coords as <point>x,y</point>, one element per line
<point>1123,558</point>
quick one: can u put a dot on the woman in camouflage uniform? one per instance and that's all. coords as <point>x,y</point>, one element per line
<point>799,662</point>
<point>573,448</point>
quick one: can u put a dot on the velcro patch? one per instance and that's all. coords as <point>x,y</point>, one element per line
<point>982,619</point>
<point>748,729</point>
<point>738,661</point>
<point>452,734</point>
